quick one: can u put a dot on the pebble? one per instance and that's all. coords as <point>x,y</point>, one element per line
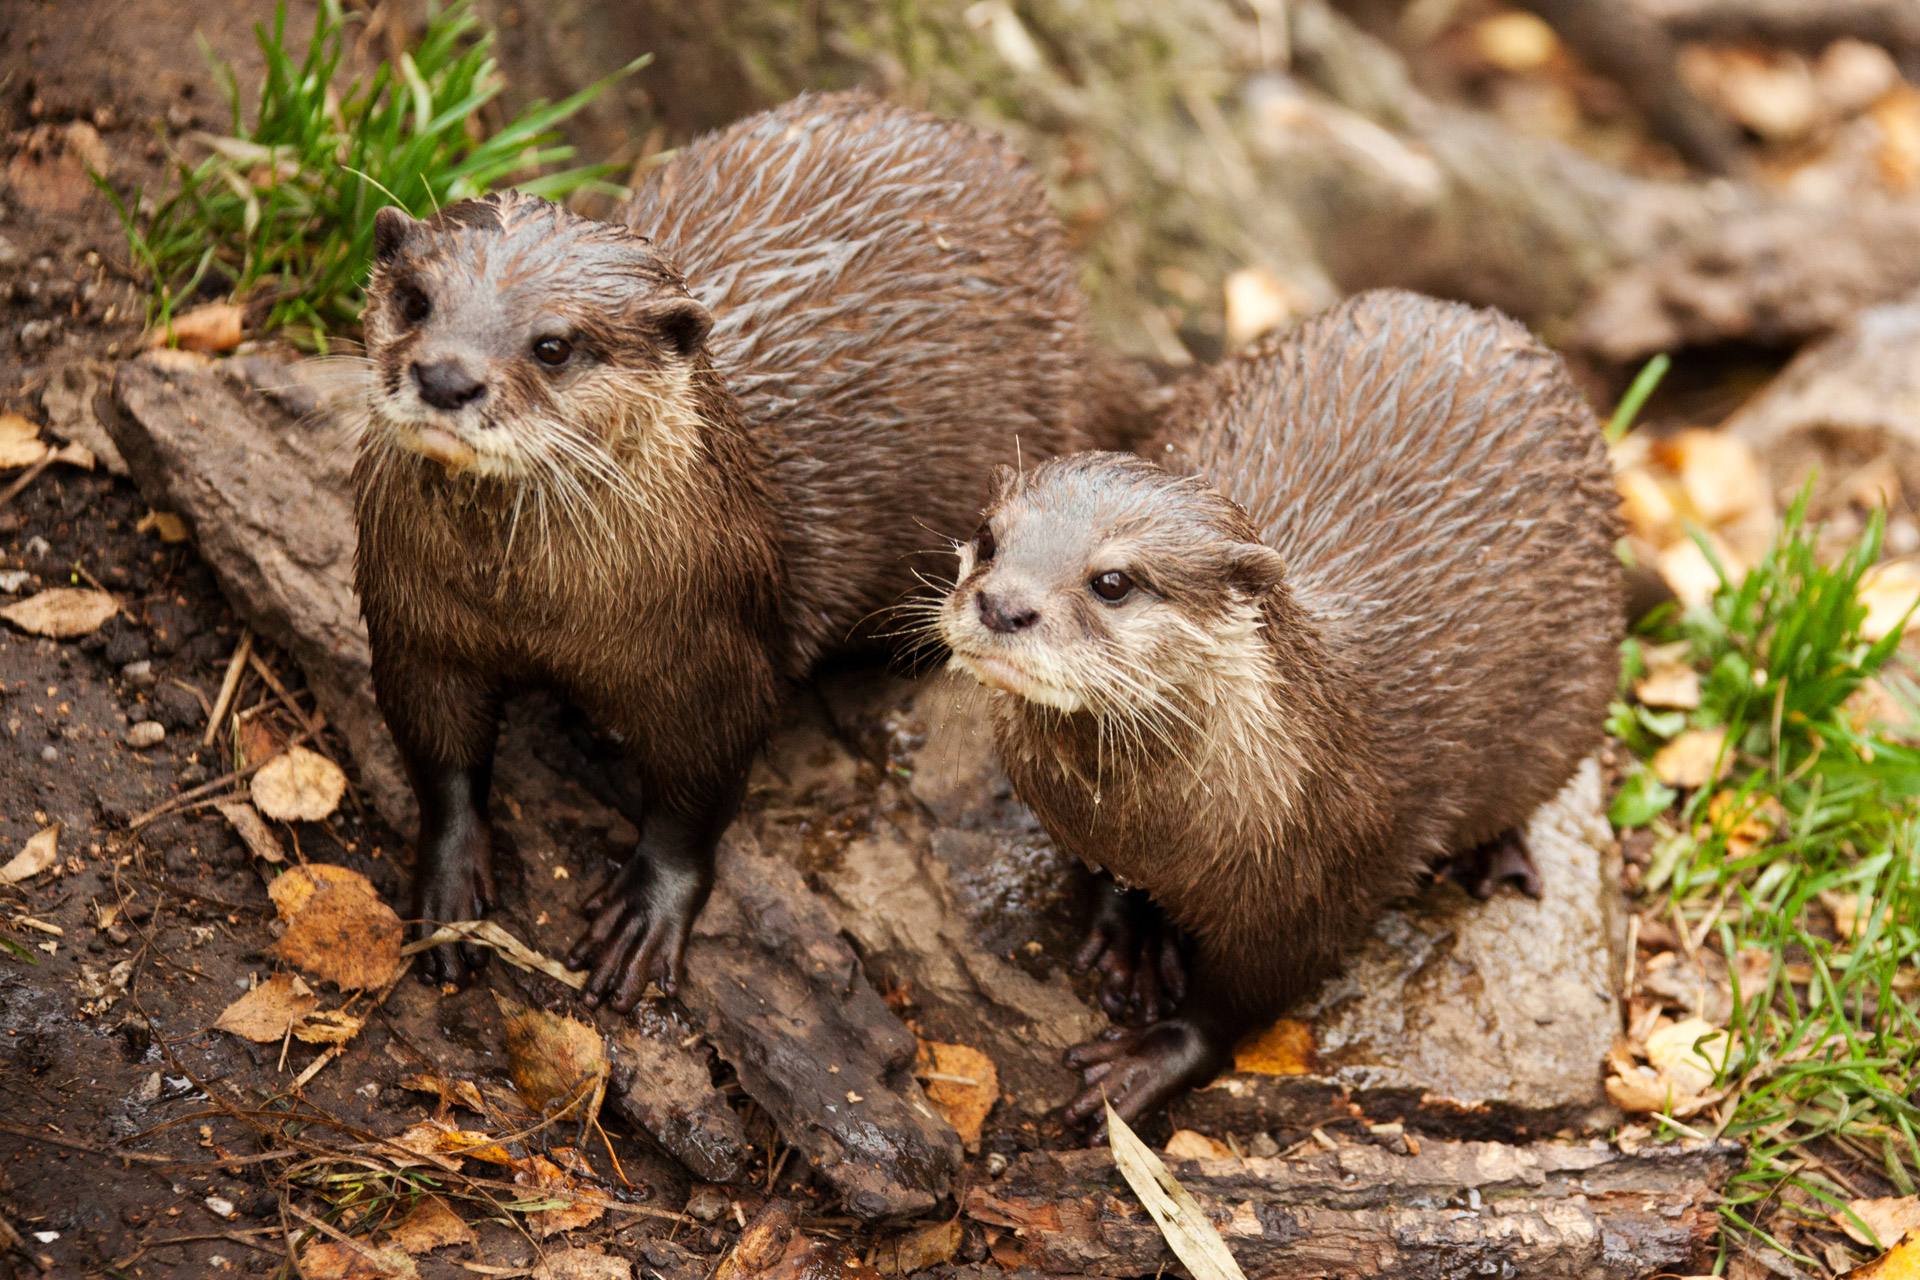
<point>50,753</point>
<point>139,674</point>
<point>707,1202</point>
<point>148,733</point>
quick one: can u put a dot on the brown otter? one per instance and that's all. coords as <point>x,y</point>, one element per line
<point>1363,615</point>
<point>664,467</point>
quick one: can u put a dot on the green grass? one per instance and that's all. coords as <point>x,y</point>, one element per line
<point>1822,1088</point>
<point>282,205</point>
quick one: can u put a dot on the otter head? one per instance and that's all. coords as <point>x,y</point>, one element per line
<point>519,340</point>
<point>1101,583</point>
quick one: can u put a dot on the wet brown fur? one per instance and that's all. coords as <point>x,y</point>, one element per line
<point>1425,663</point>
<point>894,311</point>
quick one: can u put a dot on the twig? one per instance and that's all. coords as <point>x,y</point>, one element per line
<point>27,477</point>
<point>261,669</point>
<point>236,666</point>
<point>205,789</point>
<point>12,1239</point>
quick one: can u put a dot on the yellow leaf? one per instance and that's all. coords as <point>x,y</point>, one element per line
<point>20,442</point>
<point>1283,1049</point>
<point>298,786</point>
<point>1889,590</point>
<point>1692,759</point>
<point>962,1084</point>
<point>1902,1262</point>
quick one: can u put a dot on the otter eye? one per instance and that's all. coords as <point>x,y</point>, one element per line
<point>415,306</point>
<point>553,351</point>
<point>1112,586</point>
<point>983,544</point>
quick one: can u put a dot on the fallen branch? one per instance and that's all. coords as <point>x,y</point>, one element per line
<point>1547,1212</point>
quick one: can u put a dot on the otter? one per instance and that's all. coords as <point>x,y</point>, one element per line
<point>1361,615</point>
<point>664,466</point>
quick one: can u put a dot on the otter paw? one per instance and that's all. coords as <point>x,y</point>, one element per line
<point>638,934</point>
<point>1137,953</point>
<point>1141,1069</point>
<point>1503,859</point>
<point>455,885</point>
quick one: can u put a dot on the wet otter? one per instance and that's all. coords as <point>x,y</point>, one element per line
<point>664,467</point>
<point>1363,615</point>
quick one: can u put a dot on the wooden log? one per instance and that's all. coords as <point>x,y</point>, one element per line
<point>1547,1212</point>
<point>771,983</point>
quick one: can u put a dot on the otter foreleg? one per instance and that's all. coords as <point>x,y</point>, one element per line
<point>445,722</point>
<point>642,916</point>
<point>1141,1069</point>
<point>1136,950</point>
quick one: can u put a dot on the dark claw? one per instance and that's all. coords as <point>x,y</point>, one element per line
<point>641,921</point>
<point>1136,951</point>
<point>1143,1068</point>
<point>456,883</point>
<point>1505,858</point>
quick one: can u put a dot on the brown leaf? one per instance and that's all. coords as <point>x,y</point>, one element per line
<point>1690,760</point>
<point>62,613</point>
<point>431,1224</point>
<point>298,786</point>
<point>1889,590</point>
<point>1845,910</point>
<point>20,442</point>
<point>252,830</point>
<point>338,929</point>
<point>332,1260</point>
<point>442,1143</point>
<point>557,1062</point>
<point>451,1092</point>
<point>1187,1144</point>
<point>214,327</point>
<point>581,1264</point>
<point>1669,681</point>
<point>1688,1053</point>
<point>929,1246</point>
<point>1283,1049</point>
<point>1902,1262</point>
<point>40,852</point>
<point>579,1204</point>
<point>962,1084</point>
<point>167,526</point>
<point>265,1013</point>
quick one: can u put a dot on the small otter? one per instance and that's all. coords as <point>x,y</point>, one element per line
<point>1363,616</point>
<point>663,467</point>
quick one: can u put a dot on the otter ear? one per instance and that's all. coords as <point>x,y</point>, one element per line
<point>1004,478</point>
<point>1254,567</point>
<point>681,323</point>
<point>391,227</point>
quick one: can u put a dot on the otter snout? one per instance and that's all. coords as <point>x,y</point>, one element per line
<point>1005,615</point>
<point>447,384</point>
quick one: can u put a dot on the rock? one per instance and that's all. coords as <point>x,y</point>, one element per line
<point>1846,409</point>
<point>70,403</point>
<point>146,733</point>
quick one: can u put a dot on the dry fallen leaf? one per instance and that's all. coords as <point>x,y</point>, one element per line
<point>451,1092</point>
<point>1689,1053</point>
<point>165,525</point>
<point>1640,1090</point>
<point>333,1260</point>
<point>915,1251</point>
<point>298,786</point>
<point>1668,682</point>
<point>252,830</point>
<point>1187,1144</point>
<point>1192,1237</point>
<point>1690,760</point>
<point>557,1063</point>
<point>1845,910</point>
<point>431,1224</point>
<point>62,613</point>
<point>1747,823</point>
<point>1283,1049</point>
<point>1258,302</point>
<point>20,442</point>
<point>581,1264</point>
<point>443,1144</point>
<point>1515,41</point>
<point>1889,590</point>
<point>338,929</point>
<point>488,933</point>
<point>962,1084</point>
<point>265,1013</point>
<point>575,1205</point>
<point>213,327</point>
<point>1902,1262</point>
<point>40,852</point>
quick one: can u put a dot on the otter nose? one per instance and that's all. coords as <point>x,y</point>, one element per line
<point>1005,617</point>
<point>445,385</point>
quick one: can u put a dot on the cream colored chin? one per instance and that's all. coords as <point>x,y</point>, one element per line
<point>998,673</point>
